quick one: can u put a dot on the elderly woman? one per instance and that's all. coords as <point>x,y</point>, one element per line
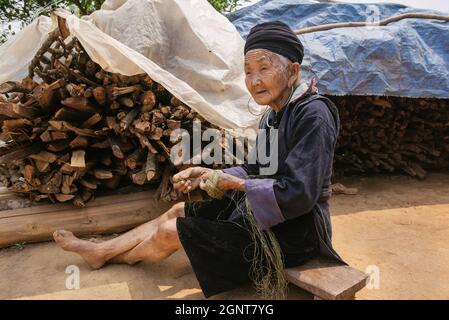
<point>289,209</point>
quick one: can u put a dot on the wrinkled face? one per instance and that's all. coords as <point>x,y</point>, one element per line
<point>268,78</point>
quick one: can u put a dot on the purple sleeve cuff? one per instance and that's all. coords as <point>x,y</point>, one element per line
<point>263,202</point>
<point>238,172</point>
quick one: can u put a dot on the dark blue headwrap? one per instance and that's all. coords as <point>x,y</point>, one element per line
<point>275,36</point>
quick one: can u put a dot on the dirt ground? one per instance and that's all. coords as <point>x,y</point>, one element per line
<point>395,227</point>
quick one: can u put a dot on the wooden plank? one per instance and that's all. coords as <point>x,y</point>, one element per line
<point>101,201</point>
<point>6,194</point>
<point>108,214</point>
<point>326,279</point>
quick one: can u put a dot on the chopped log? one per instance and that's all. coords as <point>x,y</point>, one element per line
<point>164,148</point>
<point>75,90</point>
<point>121,115</point>
<point>147,82</point>
<point>93,120</point>
<point>105,144</point>
<point>175,102</point>
<point>67,168</point>
<point>133,158</point>
<point>150,166</point>
<point>28,172</point>
<point>420,172</point>
<point>79,142</point>
<point>79,103</point>
<point>48,136</point>
<point>76,74</point>
<point>127,102</point>
<point>67,181</point>
<point>12,86</point>
<point>117,91</point>
<point>13,110</point>
<point>88,184</point>
<point>142,127</point>
<point>162,192</point>
<point>112,124</point>
<point>126,122</point>
<point>144,142</point>
<point>173,124</point>
<point>114,105</point>
<point>156,134</point>
<point>116,150</point>
<point>58,146</point>
<point>165,110</point>
<point>139,177</point>
<point>52,185</point>
<point>42,166</point>
<point>65,158</point>
<point>148,101</point>
<point>78,201</point>
<point>9,125</point>
<point>100,95</point>
<point>102,174</point>
<point>77,160</point>
<point>65,126</point>
<point>68,114</point>
<point>64,197</point>
<point>44,93</point>
<point>44,156</point>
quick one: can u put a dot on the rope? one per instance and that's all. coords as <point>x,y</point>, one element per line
<point>211,185</point>
<point>267,262</point>
<point>267,268</point>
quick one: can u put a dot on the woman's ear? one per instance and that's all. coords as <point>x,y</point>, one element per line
<point>294,73</point>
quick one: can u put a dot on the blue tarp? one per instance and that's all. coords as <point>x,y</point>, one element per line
<point>408,58</point>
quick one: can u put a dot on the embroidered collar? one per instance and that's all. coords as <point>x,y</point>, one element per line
<point>300,92</point>
<point>304,89</point>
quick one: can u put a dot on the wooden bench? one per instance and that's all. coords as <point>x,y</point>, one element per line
<point>327,279</point>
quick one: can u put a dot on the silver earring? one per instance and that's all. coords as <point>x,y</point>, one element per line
<point>254,114</point>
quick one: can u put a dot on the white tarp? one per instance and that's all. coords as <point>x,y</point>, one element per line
<point>185,45</point>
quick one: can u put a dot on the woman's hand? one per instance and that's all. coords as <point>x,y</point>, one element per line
<point>225,182</point>
<point>189,179</point>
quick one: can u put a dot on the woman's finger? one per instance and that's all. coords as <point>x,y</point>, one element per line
<point>203,182</point>
<point>180,185</point>
<point>182,175</point>
<point>187,189</point>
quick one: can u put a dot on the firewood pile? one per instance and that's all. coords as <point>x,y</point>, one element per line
<point>391,134</point>
<point>71,128</point>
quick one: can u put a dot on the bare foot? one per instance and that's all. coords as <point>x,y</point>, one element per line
<point>87,250</point>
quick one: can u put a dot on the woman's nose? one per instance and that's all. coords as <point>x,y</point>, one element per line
<point>256,81</point>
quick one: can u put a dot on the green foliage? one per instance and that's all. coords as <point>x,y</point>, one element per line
<point>19,245</point>
<point>224,6</point>
<point>19,13</point>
